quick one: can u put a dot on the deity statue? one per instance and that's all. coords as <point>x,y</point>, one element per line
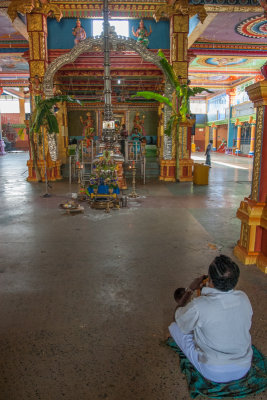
<point>88,127</point>
<point>138,124</point>
<point>78,32</point>
<point>35,88</point>
<point>142,34</point>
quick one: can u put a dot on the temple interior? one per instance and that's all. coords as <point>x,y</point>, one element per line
<point>106,206</point>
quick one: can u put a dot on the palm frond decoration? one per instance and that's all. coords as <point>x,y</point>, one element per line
<point>21,133</point>
<point>195,90</point>
<point>180,104</point>
<point>170,125</point>
<point>44,116</point>
<point>153,96</point>
<point>168,70</point>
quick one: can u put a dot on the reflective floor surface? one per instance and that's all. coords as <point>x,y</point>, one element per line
<point>86,300</point>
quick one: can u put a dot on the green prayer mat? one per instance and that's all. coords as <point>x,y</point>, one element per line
<point>254,382</point>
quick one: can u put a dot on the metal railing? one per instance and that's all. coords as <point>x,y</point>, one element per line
<point>85,155</point>
<point>135,151</point>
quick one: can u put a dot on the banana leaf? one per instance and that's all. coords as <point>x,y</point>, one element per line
<point>40,118</point>
<point>44,116</point>
<point>52,123</point>
<point>168,70</point>
<point>170,124</point>
<point>154,96</point>
<point>21,133</point>
<point>195,90</point>
<point>58,99</point>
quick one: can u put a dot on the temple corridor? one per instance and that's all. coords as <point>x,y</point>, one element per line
<point>86,299</point>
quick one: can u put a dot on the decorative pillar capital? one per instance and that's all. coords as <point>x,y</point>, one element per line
<point>231,93</point>
<point>259,78</point>
<point>180,7</point>
<point>214,126</point>
<point>238,123</point>
<point>251,121</point>
<point>36,6</point>
<point>257,93</point>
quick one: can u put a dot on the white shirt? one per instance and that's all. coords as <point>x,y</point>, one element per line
<point>220,322</point>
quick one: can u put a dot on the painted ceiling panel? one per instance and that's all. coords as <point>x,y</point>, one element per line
<point>13,63</point>
<point>7,31</point>
<point>223,29</point>
<point>227,63</point>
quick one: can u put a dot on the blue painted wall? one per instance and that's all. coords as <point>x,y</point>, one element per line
<point>160,36</point>
<point>193,23</point>
<point>201,118</point>
<point>60,33</point>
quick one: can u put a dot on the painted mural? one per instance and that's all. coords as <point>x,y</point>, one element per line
<point>7,30</point>
<point>224,28</point>
<point>77,122</point>
<point>230,63</point>
<point>13,63</point>
<point>254,27</point>
<point>150,124</point>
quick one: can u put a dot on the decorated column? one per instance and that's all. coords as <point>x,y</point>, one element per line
<point>231,94</point>
<point>252,138</point>
<point>214,137</point>
<point>238,137</point>
<point>179,14</point>
<point>252,245</point>
<point>36,14</point>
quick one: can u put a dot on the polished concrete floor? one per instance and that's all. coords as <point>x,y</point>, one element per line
<point>85,300</point>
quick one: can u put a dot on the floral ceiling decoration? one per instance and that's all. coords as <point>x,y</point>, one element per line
<point>254,27</point>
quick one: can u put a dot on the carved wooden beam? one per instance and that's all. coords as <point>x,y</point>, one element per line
<point>200,28</point>
<point>17,23</point>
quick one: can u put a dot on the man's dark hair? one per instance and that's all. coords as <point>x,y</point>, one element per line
<point>224,273</point>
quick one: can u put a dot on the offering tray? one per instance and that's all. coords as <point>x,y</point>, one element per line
<point>71,207</point>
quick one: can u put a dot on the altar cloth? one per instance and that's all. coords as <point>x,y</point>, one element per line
<point>254,382</point>
<point>103,189</point>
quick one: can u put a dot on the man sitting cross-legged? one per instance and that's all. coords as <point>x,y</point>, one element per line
<point>212,330</point>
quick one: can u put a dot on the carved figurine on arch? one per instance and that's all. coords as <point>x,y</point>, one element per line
<point>142,33</point>
<point>36,87</point>
<point>78,32</point>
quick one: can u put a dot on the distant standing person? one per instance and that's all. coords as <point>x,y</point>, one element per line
<point>124,136</point>
<point>207,153</point>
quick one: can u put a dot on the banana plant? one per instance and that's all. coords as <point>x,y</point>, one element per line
<point>179,105</point>
<point>44,117</point>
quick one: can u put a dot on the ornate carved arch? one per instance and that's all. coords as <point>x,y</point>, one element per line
<point>118,43</point>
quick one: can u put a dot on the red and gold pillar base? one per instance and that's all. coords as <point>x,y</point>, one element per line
<point>168,170</point>
<point>53,171</point>
<point>251,248</point>
<point>186,170</point>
